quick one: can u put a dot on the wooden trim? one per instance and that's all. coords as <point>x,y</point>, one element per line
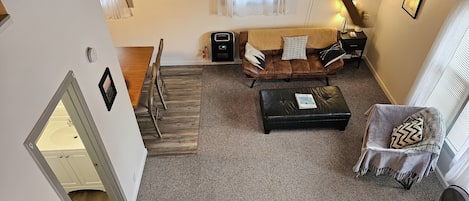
<point>355,15</point>
<point>4,18</point>
<point>2,8</point>
<point>130,3</point>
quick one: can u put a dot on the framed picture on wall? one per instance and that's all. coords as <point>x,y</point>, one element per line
<point>411,7</point>
<point>107,88</point>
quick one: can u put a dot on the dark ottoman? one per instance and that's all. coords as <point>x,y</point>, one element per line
<point>280,110</point>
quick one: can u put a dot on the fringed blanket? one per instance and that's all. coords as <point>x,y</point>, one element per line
<point>413,162</point>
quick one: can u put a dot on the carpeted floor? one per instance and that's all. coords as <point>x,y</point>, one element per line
<point>236,161</point>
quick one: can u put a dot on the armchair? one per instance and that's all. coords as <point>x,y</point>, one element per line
<point>409,164</point>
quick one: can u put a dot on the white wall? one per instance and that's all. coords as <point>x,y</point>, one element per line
<point>40,43</point>
<point>400,44</point>
<point>186,25</point>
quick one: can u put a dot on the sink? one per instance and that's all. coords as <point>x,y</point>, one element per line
<point>65,136</point>
<point>61,138</point>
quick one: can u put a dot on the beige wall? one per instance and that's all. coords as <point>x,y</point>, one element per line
<point>186,25</point>
<point>38,46</point>
<point>400,44</point>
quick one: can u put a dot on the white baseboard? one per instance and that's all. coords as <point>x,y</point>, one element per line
<point>139,174</point>
<point>441,177</point>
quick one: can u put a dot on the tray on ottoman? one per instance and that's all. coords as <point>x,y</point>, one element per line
<point>280,110</point>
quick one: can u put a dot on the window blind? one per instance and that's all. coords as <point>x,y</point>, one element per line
<point>451,94</point>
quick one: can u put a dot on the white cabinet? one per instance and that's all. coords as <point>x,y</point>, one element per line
<point>74,169</point>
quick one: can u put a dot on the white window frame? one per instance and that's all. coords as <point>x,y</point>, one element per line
<point>436,64</point>
<point>242,8</point>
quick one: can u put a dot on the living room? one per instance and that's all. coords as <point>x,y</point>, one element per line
<point>40,43</point>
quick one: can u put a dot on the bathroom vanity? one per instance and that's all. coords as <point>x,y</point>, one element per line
<point>65,153</point>
<point>74,169</point>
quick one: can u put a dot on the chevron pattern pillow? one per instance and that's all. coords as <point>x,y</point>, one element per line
<point>408,133</point>
<point>331,54</point>
<point>254,56</point>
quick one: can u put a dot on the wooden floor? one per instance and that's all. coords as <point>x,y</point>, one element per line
<point>179,124</point>
<point>88,195</point>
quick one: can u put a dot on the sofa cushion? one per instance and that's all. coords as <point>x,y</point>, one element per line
<point>254,56</point>
<point>294,47</point>
<point>408,133</point>
<point>331,54</point>
<point>280,68</point>
<point>271,39</point>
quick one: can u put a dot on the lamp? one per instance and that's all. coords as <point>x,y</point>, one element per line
<point>344,27</point>
<point>344,15</point>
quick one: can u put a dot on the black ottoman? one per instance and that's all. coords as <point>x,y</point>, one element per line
<point>280,110</point>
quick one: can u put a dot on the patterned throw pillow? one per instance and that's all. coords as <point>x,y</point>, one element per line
<point>331,54</point>
<point>294,47</point>
<point>254,56</point>
<point>408,133</point>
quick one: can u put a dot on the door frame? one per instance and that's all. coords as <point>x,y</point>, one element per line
<point>70,94</point>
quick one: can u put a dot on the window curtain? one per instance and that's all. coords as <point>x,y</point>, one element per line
<point>116,9</point>
<point>244,8</point>
<point>443,65</point>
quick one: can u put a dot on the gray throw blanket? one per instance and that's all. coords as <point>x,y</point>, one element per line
<point>412,162</point>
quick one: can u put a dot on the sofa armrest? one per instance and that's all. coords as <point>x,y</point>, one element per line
<point>249,69</point>
<point>337,65</point>
<point>243,39</point>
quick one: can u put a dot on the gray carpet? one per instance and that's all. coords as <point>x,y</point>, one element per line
<point>236,161</point>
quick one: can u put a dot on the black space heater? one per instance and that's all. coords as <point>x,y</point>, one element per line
<point>222,44</point>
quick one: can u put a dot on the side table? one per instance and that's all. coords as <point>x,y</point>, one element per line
<point>353,46</point>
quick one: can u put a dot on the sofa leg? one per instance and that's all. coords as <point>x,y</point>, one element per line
<point>327,81</point>
<point>252,84</point>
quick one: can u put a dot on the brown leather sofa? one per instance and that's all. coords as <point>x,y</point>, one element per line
<point>269,42</point>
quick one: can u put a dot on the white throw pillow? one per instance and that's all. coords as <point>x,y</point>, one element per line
<point>254,56</point>
<point>408,133</point>
<point>294,47</point>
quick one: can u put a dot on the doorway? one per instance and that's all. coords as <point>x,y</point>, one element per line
<point>61,146</point>
<point>66,145</point>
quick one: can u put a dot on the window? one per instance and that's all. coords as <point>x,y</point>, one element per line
<point>444,83</point>
<point>251,7</point>
<point>117,9</point>
<point>451,95</point>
